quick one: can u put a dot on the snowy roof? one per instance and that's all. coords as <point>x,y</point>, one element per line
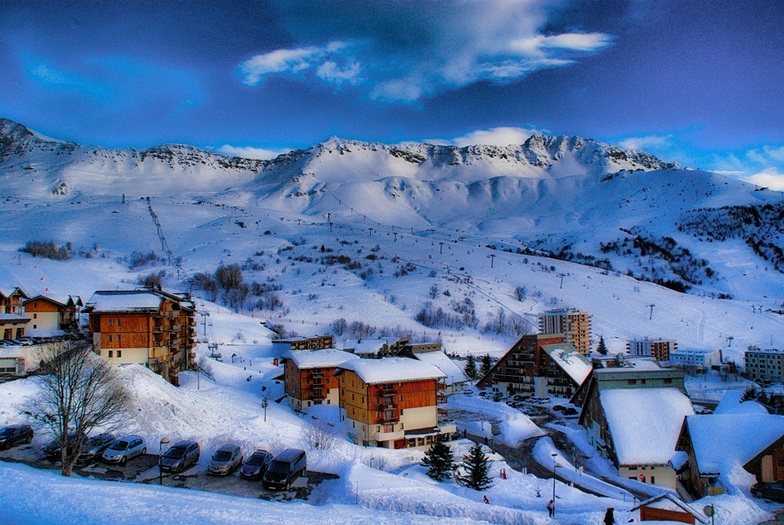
<point>13,318</point>
<point>365,346</point>
<point>454,373</point>
<point>326,358</point>
<point>723,440</point>
<point>645,422</point>
<point>8,292</point>
<point>62,300</point>
<point>392,369</point>
<point>124,301</point>
<point>571,361</point>
<point>731,404</point>
<point>670,502</point>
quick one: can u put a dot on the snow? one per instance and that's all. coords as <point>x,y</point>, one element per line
<point>326,358</point>
<point>645,422</point>
<point>392,369</point>
<point>576,365</point>
<point>454,373</point>
<point>125,300</point>
<point>731,404</point>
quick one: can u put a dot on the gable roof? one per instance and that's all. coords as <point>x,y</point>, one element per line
<point>722,440</point>
<point>326,358</point>
<point>111,301</point>
<point>670,502</point>
<point>391,370</point>
<point>454,373</point>
<point>570,360</point>
<point>645,422</point>
<point>5,293</point>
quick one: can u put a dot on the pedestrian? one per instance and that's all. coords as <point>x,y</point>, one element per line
<point>551,508</point>
<point>609,518</point>
<point>486,500</point>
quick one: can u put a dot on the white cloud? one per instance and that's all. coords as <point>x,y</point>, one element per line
<point>500,136</point>
<point>770,178</point>
<point>648,141</point>
<point>247,152</point>
<point>408,50</point>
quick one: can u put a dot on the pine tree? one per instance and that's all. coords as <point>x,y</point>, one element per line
<point>476,468</point>
<point>602,348</point>
<point>440,460</point>
<point>470,367</point>
<point>486,365</point>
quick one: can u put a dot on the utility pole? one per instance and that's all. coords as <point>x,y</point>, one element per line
<point>561,275</point>
<point>492,259</point>
<point>651,307</point>
<point>441,251</point>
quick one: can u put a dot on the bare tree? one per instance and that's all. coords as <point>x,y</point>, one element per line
<point>320,435</point>
<point>79,392</point>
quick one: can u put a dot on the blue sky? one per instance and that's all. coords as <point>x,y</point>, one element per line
<point>699,82</point>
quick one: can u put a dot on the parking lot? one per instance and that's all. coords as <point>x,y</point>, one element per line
<point>144,469</point>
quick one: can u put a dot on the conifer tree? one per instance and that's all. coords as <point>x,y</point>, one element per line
<point>602,348</point>
<point>486,365</point>
<point>476,469</point>
<point>470,367</point>
<point>439,459</point>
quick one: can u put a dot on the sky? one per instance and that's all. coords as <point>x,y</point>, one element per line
<point>698,82</point>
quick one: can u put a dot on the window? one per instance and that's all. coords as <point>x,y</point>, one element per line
<point>119,353</point>
<point>111,353</point>
<point>119,322</point>
<point>111,338</point>
<point>111,322</point>
<point>119,338</point>
<point>631,381</point>
<point>35,316</point>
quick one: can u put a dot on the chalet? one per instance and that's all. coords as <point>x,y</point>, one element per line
<point>455,376</point>
<point>149,327</point>
<point>659,349</point>
<point>715,444</point>
<point>539,366</point>
<point>12,326</point>
<point>667,507</point>
<point>11,300</point>
<point>53,312</point>
<point>309,376</point>
<point>318,342</point>
<point>573,324</point>
<point>633,414</point>
<point>391,402</point>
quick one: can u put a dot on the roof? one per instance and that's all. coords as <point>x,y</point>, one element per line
<point>326,358</point>
<point>454,373</point>
<point>731,404</point>
<point>723,440</point>
<point>645,422</point>
<point>392,369</point>
<point>13,318</point>
<point>365,346</point>
<point>670,502</point>
<point>8,292</point>
<point>61,300</point>
<point>570,360</point>
<point>124,301</point>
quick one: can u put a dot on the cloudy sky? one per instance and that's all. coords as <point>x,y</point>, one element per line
<point>699,82</point>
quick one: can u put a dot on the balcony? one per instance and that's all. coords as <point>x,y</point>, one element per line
<point>387,390</point>
<point>389,436</point>
<point>390,416</point>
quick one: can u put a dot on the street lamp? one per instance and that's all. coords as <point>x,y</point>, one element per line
<point>164,441</point>
<point>555,466</point>
<point>264,405</point>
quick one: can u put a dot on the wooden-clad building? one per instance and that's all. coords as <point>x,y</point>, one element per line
<point>309,376</point>
<point>53,312</point>
<point>150,327</point>
<point>391,402</point>
<point>11,300</point>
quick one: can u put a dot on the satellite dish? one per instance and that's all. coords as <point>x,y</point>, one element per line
<point>708,510</point>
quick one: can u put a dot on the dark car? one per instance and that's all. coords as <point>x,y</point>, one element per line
<point>14,435</point>
<point>95,446</point>
<point>773,491</point>
<point>181,456</point>
<point>256,465</point>
<point>53,450</point>
<point>569,411</point>
<point>285,469</point>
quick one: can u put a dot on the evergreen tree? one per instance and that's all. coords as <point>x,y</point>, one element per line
<point>476,468</point>
<point>602,348</point>
<point>439,459</point>
<point>486,365</point>
<point>470,367</point>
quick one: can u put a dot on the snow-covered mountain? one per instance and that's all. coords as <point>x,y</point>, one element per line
<point>384,212</point>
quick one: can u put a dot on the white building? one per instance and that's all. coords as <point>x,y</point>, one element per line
<point>695,358</point>
<point>661,349</point>
<point>764,364</point>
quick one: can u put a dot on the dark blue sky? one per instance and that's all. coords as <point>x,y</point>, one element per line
<point>700,82</point>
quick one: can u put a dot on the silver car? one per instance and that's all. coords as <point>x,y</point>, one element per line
<point>123,449</point>
<point>225,460</point>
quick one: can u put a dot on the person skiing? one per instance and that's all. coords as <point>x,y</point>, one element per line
<point>551,508</point>
<point>486,500</point>
<point>609,518</point>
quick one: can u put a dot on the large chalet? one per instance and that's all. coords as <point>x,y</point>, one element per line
<point>309,376</point>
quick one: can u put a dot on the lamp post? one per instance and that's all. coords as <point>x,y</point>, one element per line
<point>555,465</point>
<point>164,441</point>
<point>264,405</point>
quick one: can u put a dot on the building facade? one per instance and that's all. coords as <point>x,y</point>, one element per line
<point>764,364</point>
<point>696,358</point>
<point>310,376</point>
<point>574,324</point>
<point>149,327</point>
<point>51,312</point>
<point>11,301</point>
<point>659,349</point>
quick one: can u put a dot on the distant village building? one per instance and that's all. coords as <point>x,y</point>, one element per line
<point>50,312</point>
<point>11,300</point>
<point>375,348</point>
<point>666,508</point>
<point>149,327</point>
<point>696,358</point>
<point>309,376</point>
<point>633,413</point>
<point>391,402</point>
<point>12,320</point>
<point>538,366</point>
<point>574,324</point>
<point>656,348</point>
<point>764,364</point>
<point>318,342</point>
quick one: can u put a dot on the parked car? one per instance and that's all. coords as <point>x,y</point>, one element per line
<point>181,456</point>
<point>95,446</point>
<point>123,449</point>
<point>773,491</point>
<point>14,435</point>
<point>256,465</point>
<point>285,468</point>
<point>225,460</point>
<point>53,450</point>
<point>569,411</point>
